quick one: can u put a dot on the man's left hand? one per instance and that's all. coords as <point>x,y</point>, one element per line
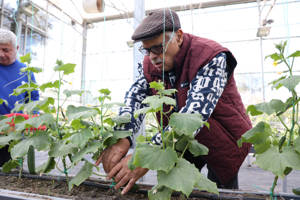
<point>122,174</point>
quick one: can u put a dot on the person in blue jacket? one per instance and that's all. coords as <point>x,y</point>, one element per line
<point>10,78</point>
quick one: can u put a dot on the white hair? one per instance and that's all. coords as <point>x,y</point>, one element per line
<point>6,37</point>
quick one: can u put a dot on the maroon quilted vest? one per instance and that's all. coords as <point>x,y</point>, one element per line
<point>228,120</point>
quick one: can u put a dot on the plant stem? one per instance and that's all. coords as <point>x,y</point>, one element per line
<point>282,122</point>
<point>273,187</point>
<point>184,150</point>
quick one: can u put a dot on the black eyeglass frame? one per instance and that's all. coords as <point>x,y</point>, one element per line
<point>156,49</point>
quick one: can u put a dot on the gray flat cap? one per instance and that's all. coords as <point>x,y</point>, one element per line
<point>154,24</point>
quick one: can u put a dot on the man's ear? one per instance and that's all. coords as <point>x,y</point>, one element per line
<point>179,36</point>
<point>17,48</point>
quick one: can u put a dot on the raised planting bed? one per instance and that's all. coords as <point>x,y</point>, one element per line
<point>55,186</point>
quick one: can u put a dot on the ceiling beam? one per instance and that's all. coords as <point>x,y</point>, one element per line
<point>207,4</point>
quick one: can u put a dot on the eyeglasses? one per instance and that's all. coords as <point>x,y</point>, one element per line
<point>156,49</point>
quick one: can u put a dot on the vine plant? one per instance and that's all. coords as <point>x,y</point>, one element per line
<point>278,150</point>
<point>174,173</point>
<point>68,134</point>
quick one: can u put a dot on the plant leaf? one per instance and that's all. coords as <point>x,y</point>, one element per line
<point>39,141</point>
<point>156,102</point>
<point>197,149</point>
<point>204,183</point>
<point>290,83</point>
<point>54,84</point>
<point>159,193</point>
<point>185,123</point>
<point>274,106</point>
<point>9,165</point>
<point>47,166</point>
<point>154,158</point>
<point>297,144</point>
<point>296,191</point>
<point>80,112</point>
<point>256,135</point>
<point>59,149</point>
<point>276,162</point>
<point>66,68</point>
<point>181,178</point>
<point>122,119</point>
<point>26,58</point>
<point>69,93</point>
<point>295,54</point>
<point>83,174</point>
<point>81,138</point>
<point>4,140</point>
<point>144,110</point>
<point>91,148</point>
<point>35,122</point>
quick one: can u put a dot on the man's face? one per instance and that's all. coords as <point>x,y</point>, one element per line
<point>8,54</point>
<point>154,49</point>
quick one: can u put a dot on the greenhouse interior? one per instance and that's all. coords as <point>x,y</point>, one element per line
<point>150,99</point>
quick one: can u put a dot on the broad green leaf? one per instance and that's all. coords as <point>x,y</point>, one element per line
<point>35,105</point>
<point>122,119</point>
<point>197,149</point>
<point>31,69</point>
<point>35,122</point>
<point>104,91</point>
<point>159,193</point>
<point>157,85</point>
<point>274,106</point>
<point>4,140</point>
<point>290,83</point>
<point>297,144</point>
<point>276,162</point>
<point>144,110</point>
<point>185,123</point>
<point>156,101</point>
<point>4,124</point>
<point>84,173</point>
<point>81,138</point>
<point>80,112</point>
<point>76,124</point>
<point>54,84</point>
<point>253,110</point>
<point>168,92</point>
<point>111,138</point>
<point>26,58</point>
<point>154,158</point>
<point>66,68</point>
<point>92,148</point>
<point>276,81</point>
<point>182,142</point>
<point>256,135</point>
<point>24,88</point>
<point>9,165</point>
<point>181,178</point>
<point>275,56</point>
<point>295,54</point>
<point>47,166</point>
<point>69,93</point>
<point>59,149</point>
<point>39,141</point>
<point>205,184</point>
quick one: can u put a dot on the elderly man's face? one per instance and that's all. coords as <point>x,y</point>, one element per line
<point>171,49</point>
<point>8,54</point>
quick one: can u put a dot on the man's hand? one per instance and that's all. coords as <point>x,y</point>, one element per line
<point>123,175</point>
<point>113,155</point>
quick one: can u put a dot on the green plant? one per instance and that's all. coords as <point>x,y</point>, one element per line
<point>174,173</point>
<point>69,134</point>
<point>278,149</point>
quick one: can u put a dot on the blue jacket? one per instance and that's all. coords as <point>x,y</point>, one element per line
<point>11,78</point>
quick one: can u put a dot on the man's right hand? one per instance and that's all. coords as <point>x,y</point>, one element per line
<point>113,155</point>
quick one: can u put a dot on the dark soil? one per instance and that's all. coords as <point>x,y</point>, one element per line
<point>53,186</point>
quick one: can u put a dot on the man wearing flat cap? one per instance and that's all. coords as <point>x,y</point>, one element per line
<point>202,72</point>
